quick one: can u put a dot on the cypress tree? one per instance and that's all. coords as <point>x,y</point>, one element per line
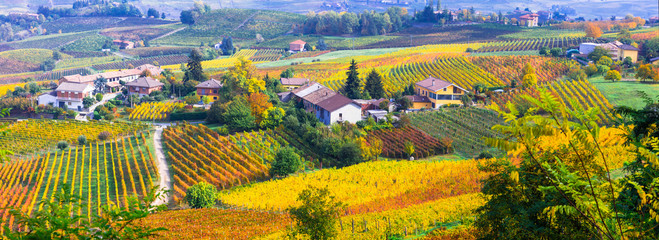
<point>352,85</point>
<point>195,71</point>
<point>374,85</point>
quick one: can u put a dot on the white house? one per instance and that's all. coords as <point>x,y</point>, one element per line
<point>71,95</point>
<point>47,99</point>
<point>328,106</point>
<point>587,48</point>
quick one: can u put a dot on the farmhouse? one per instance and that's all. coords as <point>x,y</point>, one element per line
<point>293,83</point>
<point>530,20</point>
<point>210,88</point>
<point>438,92</point>
<point>115,76</point>
<point>618,50</point>
<point>70,95</point>
<point>49,98</point>
<point>297,46</point>
<point>328,106</point>
<point>144,86</point>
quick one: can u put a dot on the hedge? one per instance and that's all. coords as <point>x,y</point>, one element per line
<point>188,116</point>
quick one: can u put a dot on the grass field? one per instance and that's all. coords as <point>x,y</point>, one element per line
<point>625,93</point>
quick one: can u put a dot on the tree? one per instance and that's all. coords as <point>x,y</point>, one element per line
<point>61,145</point>
<point>272,117</point>
<point>215,112</point>
<point>227,46</point>
<point>288,73</point>
<point>188,17</point>
<point>556,52</point>
<point>82,140</point>
<point>645,72</point>
<point>591,69</point>
<point>374,85</point>
<point>349,154</point>
<point>409,149</point>
<point>99,97</point>
<point>528,69</point>
<point>258,103</point>
<point>238,115</point>
<point>529,80</point>
<point>48,65</point>
<point>466,100</point>
<point>195,70</point>
<point>624,34</point>
<point>286,162</point>
<point>201,195</point>
<point>605,60</point>
<point>162,16</point>
<point>57,55</point>
<point>598,53</point>
<point>152,13</point>
<point>99,85</point>
<point>322,46</point>
<point>613,75</point>
<point>544,50</point>
<point>316,217</point>
<point>352,87</point>
<point>88,102</point>
<point>593,31</point>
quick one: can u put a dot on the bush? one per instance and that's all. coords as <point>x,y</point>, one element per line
<point>62,145</point>
<point>104,135</point>
<point>188,116</point>
<point>485,155</point>
<point>286,162</point>
<point>99,97</point>
<point>82,140</point>
<point>201,195</point>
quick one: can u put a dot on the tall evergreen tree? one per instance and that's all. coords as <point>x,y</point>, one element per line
<point>352,86</point>
<point>195,71</point>
<point>374,85</point>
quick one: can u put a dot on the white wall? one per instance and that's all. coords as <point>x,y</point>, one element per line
<point>46,99</point>
<point>351,113</point>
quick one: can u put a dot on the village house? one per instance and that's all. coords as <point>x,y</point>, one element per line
<point>437,92</point>
<point>210,88</point>
<point>114,76</point>
<point>144,86</point>
<point>153,70</point>
<point>328,106</point>
<point>293,83</point>
<point>529,20</point>
<point>618,50</point>
<point>68,95</point>
<point>297,46</point>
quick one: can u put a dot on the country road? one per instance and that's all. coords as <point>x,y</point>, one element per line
<point>165,181</point>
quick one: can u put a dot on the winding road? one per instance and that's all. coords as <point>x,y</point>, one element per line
<point>165,181</point>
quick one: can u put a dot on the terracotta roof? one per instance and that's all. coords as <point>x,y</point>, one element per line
<point>417,98</point>
<point>113,84</point>
<point>121,73</point>
<point>210,84</point>
<point>433,84</point>
<point>294,81</point>
<point>79,78</point>
<point>319,95</point>
<point>298,42</point>
<point>334,102</point>
<point>74,87</point>
<point>145,82</point>
<point>151,68</point>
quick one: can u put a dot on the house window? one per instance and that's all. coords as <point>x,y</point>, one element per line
<point>203,91</point>
<point>444,89</point>
<point>69,103</point>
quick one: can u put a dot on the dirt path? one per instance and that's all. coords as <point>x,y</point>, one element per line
<point>163,168</point>
<point>167,34</point>
<point>243,23</point>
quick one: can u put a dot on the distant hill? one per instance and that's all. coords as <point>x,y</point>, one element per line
<point>587,8</point>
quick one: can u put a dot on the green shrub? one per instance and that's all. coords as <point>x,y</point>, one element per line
<point>188,116</point>
<point>201,195</point>
<point>99,97</point>
<point>62,145</point>
<point>104,135</point>
<point>82,140</point>
<point>286,162</point>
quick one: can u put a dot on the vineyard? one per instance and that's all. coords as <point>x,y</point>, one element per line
<point>154,111</point>
<point>394,141</point>
<point>30,55</point>
<point>83,62</point>
<point>509,68</point>
<point>30,136</point>
<point>267,55</point>
<point>307,54</point>
<point>8,66</point>
<point>157,51</point>
<point>51,41</point>
<point>172,60</point>
<point>465,126</point>
<point>534,44</point>
<point>221,224</point>
<point>197,153</point>
<point>220,62</point>
<point>585,94</point>
<point>100,173</point>
<point>88,43</point>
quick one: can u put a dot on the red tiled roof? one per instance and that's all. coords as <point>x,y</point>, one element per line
<point>294,81</point>
<point>433,84</point>
<point>145,82</point>
<point>210,84</point>
<point>334,102</point>
<point>298,42</point>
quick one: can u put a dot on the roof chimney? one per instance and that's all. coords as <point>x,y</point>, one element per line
<point>433,82</point>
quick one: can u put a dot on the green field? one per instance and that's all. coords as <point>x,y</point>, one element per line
<point>625,93</point>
